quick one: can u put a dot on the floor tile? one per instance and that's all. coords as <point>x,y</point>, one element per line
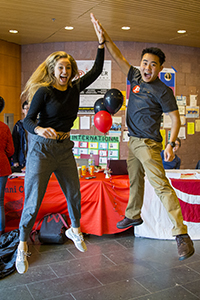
<point>116,291</point>
<point>74,266</point>
<point>34,274</point>
<point>62,286</point>
<point>176,293</point>
<point>49,257</point>
<point>193,287</point>
<point>16,293</point>
<point>162,280</point>
<point>121,272</point>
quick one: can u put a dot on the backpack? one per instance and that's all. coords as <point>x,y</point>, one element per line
<point>8,251</point>
<point>52,230</point>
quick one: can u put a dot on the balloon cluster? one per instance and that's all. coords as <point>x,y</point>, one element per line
<point>105,107</point>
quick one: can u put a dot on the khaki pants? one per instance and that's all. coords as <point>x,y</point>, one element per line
<point>144,158</point>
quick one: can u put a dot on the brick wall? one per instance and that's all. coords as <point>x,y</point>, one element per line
<point>186,60</point>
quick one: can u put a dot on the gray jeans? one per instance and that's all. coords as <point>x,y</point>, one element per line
<point>46,156</point>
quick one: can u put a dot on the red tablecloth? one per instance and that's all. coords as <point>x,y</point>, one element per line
<point>188,193</point>
<point>103,202</point>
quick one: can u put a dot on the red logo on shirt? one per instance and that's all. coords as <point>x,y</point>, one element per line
<point>136,89</point>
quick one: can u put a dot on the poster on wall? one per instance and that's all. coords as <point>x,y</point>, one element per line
<point>106,147</point>
<point>167,76</point>
<point>181,100</point>
<point>116,127</point>
<point>97,89</point>
<point>192,111</point>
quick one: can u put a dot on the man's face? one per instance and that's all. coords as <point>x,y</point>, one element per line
<point>150,67</point>
<point>25,110</point>
<point>177,146</point>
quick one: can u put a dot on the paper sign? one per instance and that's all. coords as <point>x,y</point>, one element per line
<point>190,128</point>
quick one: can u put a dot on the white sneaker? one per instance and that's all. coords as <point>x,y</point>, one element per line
<point>77,239</point>
<point>21,263</point>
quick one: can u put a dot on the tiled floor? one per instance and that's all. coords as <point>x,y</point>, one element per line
<point>115,267</point>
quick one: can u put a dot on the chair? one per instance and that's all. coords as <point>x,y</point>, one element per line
<point>87,156</point>
<point>117,167</point>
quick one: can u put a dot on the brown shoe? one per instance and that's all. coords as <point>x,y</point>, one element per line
<point>126,222</point>
<point>185,246</point>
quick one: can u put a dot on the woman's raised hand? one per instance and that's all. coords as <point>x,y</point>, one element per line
<point>98,28</point>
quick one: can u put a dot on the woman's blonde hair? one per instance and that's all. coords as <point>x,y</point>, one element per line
<point>44,74</point>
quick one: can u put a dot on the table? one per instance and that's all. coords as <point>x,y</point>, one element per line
<point>156,221</point>
<point>103,204</point>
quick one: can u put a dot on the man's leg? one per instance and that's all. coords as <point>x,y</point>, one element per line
<point>150,157</point>
<point>136,178</point>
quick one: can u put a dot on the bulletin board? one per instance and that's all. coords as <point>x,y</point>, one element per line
<point>107,147</point>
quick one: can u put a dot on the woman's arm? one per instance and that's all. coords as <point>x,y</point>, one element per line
<point>30,122</point>
<point>97,68</point>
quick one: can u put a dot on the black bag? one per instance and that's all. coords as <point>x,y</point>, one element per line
<point>8,251</point>
<point>52,230</point>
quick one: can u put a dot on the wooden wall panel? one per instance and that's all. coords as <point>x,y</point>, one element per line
<point>10,79</point>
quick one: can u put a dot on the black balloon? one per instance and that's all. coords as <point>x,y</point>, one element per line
<point>113,101</point>
<point>99,105</point>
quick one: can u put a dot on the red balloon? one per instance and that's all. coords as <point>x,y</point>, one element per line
<point>103,121</point>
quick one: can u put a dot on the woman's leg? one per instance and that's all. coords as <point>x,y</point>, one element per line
<point>39,168</point>
<point>67,176</point>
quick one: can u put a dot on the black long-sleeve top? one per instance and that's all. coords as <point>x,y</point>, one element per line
<point>58,109</point>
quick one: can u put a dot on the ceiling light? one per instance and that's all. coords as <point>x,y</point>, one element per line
<point>69,28</point>
<point>125,28</point>
<point>181,31</point>
<point>13,31</point>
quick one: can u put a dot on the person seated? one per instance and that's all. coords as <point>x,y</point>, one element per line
<point>198,165</point>
<point>20,140</point>
<point>176,162</point>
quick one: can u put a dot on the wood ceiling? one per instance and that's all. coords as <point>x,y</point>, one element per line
<point>152,21</point>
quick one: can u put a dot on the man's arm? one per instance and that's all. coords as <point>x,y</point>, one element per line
<point>176,123</point>
<point>112,48</point>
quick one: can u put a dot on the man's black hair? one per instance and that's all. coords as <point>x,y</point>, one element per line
<point>24,103</point>
<point>156,51</point>
<point>2,104</point>
<point>178,140</point>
